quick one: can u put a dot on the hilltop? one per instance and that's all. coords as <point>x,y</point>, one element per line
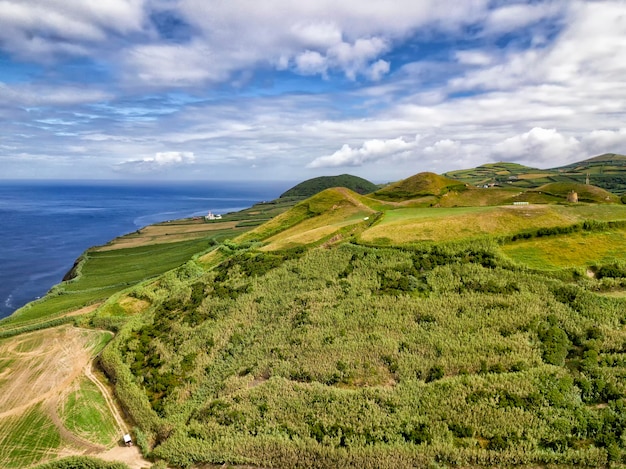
<point>419,186</point>
<point>313,186</point>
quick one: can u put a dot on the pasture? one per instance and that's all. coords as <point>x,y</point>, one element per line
<point>573,250</point>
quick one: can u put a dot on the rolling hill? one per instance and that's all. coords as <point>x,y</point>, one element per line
<point>313,186</point>
<point>606,171</point>
<point>421,185</point>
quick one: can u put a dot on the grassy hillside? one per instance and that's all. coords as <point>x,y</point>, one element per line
<point>421,185</point>
<point>586,193</point>
<point>606,171</point>
<point>360,356</point>
<point>315,218</point>
<point>313,186</point>
<point>501,173</point>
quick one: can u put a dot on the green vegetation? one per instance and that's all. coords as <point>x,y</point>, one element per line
<point>385,357</point>
<point>604,171</point>
<point>430,323</point>
<point>314,186</point>
<point>85,413</point>
<point>27,439</point>
<point>586,193</point>
<point>82,462</point>
<point>418,186</point>
<point>103,273</point>
<point>582,249</point>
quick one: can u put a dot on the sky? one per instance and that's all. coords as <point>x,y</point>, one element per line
<point>290,90</point>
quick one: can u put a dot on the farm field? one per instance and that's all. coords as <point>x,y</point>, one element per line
<point>412,225</point>
<point>133,258</point>
<point>47,408</point>
<point>573,250</point>
<point>104,273</point>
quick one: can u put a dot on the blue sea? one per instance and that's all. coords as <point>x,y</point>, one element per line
<point>45,226</point>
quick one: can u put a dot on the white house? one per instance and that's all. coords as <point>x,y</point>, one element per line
<point>211,216</point>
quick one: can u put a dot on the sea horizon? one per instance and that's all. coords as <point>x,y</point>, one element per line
<point>49,223</point>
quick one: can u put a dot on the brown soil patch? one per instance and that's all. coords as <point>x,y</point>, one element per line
<point>44,364</point>
<point>133,305</point>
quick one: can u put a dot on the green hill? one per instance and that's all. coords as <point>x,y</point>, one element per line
<point>314,218</point>
<point>313,186</point>
<point>585,193</point>
<point>607,171</point>
<point>613,159</point>
<point>419,185</point>
<point>499,173</point>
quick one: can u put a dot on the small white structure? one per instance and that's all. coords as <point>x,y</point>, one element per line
<point>128,441</point>
<point>520,203</point>
<point>211,216</point>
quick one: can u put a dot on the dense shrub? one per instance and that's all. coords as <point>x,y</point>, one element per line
<point>82,462</point>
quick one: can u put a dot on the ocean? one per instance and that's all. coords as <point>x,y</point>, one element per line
<point>46,225</point>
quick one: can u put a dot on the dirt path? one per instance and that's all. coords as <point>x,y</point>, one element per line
<point>121,425</point>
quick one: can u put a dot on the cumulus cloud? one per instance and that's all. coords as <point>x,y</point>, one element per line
<point>160,161</point>
<point>309,38</point>
<point>311,63</point>
<point>519,15</point>
<point>545,147</point>
<point>606,141</point>
<point>370,151</point>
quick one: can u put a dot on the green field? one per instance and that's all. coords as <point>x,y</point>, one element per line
<point>107,272</point>
<point>85,413</point>
<point>27,439</point>
<point>573,250</point>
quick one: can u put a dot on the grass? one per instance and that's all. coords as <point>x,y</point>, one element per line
<point>411,225</point>
<point>85,413</point>
<point>27,439</point>
<point>574,250</point>
<point>30,344</point>
<point>107,272</point>
<point>415,225</point>
<point>98,342</point>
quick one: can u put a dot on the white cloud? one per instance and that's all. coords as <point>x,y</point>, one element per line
<point>173,157</point>
<point>377,70</point>
<point>519,15</point>
<point>48,95</point>
<point>317,34</point>
<point>606,141</point>
<point>370,151</point>
<point>473,57</point>
<point>545,147</point>
<point>160,161</point>
<point>349,37</point>
<point>311,62</point>
<point>39,28</point>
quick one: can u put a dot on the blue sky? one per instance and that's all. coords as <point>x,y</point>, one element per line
<point>286,90</point>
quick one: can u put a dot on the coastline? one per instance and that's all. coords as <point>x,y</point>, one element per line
<point>48,225</point>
